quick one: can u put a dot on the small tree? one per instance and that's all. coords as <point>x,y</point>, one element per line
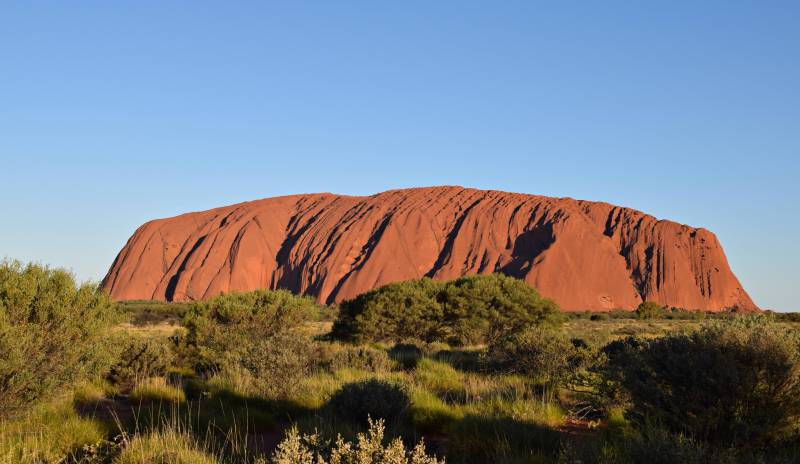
<point>261,333</point>
<point>52,333</point>
<point>396,311</point>
<point>485,308</point>
<point>370,398</point>
<point>469,310</point>
<point>649,310</point>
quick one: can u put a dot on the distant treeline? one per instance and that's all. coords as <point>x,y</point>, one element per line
<point>434,297</point>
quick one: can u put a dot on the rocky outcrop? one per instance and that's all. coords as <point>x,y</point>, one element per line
<point>585,255</point>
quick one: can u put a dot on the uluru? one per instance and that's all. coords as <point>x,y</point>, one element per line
<point>585,255</point>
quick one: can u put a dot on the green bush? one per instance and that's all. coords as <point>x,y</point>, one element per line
<point>732,383</point>
<point>333,357</point>
<point>649,310</point>
<point>140,357</point>
<point>407,355</point>
<point>370,398</point>
<point>262,333</point>
<point>544,354</point>
<point>468,310</point>
<point>52,333</point>
<point>396,311</point>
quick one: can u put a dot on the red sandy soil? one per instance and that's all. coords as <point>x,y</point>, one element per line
<point>585,255</point>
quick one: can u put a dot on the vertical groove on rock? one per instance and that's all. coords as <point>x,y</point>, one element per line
<point>586,255</point>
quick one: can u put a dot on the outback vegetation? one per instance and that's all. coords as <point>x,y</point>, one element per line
<point>480,369</point>
<point>466,311</point>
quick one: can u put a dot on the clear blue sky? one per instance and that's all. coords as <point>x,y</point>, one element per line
<point>113,113</point>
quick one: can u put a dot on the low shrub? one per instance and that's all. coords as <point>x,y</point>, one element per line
<point>147,312</point>
<point>367,448</point>
<point>370,398</point>
<point>649,310</point>
<point>395,311</point>
<point>546,355</point>
<point>621,314</point>
<point>52,333</point>
<point>333,357</point>
<point>140,357</point>
<point>261,332</point>
<point>407,355</point>
<point>464,359</point>
<point>732,383</point>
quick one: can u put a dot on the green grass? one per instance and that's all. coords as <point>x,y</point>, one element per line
<point>168,446</point>
<point>49,433</point>
<point>440,378</point>
<point>462,411</point>
<point>89,393</point>
<point>156,389</point>
<point>430,414</point>
<point>600,332</point>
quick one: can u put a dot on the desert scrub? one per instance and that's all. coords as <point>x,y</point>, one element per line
<point>335,356</point>
<point>370,398</point>
<point>52,333</point>
<point>50,432</point>
<point>731,383</point>
<point>406,355</point>
<point>261,332</point>
<point>467,311</point>
<point>140,357</point>
<point>544,354</point>
<point>368,448</point>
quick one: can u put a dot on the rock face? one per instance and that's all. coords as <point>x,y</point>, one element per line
<point>585,255</point>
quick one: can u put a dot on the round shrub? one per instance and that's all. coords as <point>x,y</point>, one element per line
<point>140,358</point>
<point>396,311</point>
<point>370,398</point>
<point>52,333</point>
<point>469,310</point>
<point>262,333</point>
<point>546,355</point>
<point>407,355</point>
<point>649,310</point>
<point>733,382</point>
<point>484,308</point>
